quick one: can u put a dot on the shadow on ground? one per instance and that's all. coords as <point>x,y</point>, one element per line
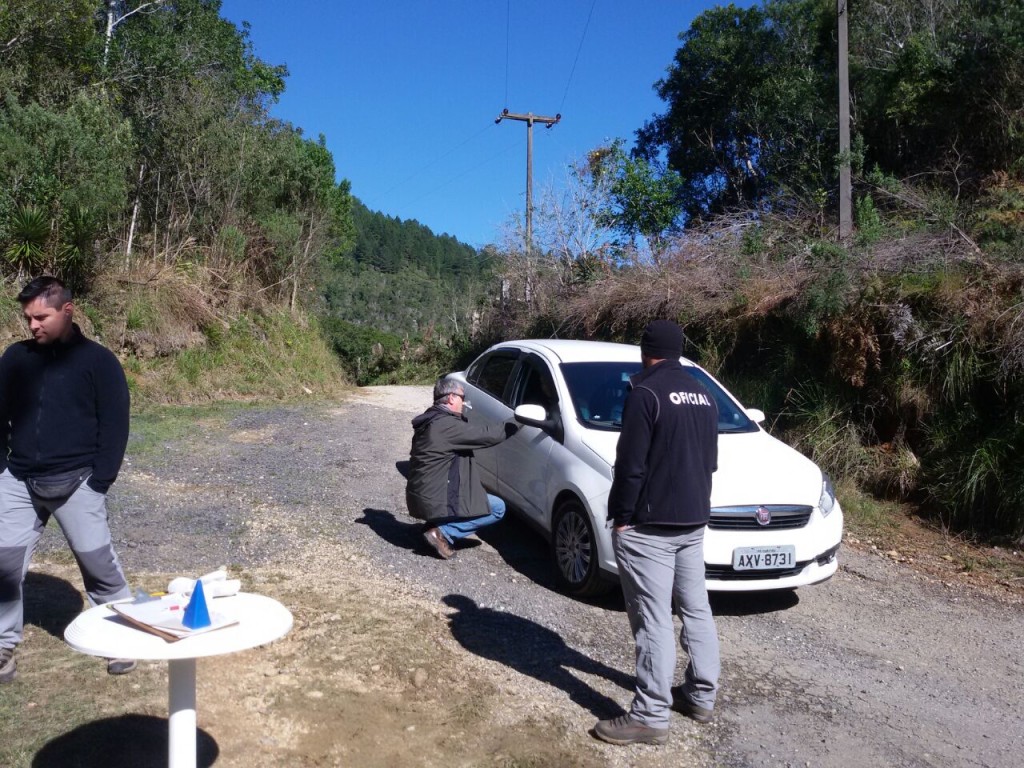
<point>404,532</point>
<point>521,547</point>
<point>128,741</point>
<point>752,603</point>
<point>533,650</point>
<point>51,603</point>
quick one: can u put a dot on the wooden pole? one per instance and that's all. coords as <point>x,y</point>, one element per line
<point>845,183</point>
<point>529,118</point>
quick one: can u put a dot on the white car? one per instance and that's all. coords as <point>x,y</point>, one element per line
<point>775,522</point>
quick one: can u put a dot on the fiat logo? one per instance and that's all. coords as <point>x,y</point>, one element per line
<point>764,516</point>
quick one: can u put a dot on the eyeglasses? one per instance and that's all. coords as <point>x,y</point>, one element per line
<point>466,405</point>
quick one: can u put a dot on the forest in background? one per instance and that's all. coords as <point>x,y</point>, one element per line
<point>403,303</point>
<point>139,162</point>
<point>215,247</point>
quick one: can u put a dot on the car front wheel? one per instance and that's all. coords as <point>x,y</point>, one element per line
<point>574,551</point>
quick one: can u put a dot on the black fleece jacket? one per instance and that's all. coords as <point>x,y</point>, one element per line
<point>666,452</point>
<point>63,406</point>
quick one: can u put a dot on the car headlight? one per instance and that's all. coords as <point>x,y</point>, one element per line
<point>827,502</point>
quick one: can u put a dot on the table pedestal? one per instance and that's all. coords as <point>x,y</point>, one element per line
<point>181,708</point>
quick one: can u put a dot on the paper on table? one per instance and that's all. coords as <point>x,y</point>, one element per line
<point>163,617</point>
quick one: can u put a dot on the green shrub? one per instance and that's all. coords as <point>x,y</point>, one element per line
<point>230,245</point>
<point>29,229</point>
<point>972,472</point>
<point>141,314</point>
<point>822,427</point>
<point>870,227</point>
<point>371,356</point>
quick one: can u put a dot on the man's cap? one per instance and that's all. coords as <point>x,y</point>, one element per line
<point>662,340</point>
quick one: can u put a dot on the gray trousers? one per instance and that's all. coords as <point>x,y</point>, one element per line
<point>82,518</point>
<point>659,566</point>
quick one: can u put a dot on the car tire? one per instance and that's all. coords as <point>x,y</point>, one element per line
<point>574,552</point>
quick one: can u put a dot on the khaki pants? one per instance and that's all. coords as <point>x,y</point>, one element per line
<point>659,566</point>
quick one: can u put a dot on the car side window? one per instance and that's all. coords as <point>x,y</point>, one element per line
<point>494,374</point>
<point>537,388</point>
<point>473,372</point>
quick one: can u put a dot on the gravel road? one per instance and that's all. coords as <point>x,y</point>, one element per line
<point>881,666</point>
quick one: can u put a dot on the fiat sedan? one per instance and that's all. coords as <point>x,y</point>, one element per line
<point>775,522</point>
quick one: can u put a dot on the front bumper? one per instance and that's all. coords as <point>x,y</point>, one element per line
<point>726,579</point>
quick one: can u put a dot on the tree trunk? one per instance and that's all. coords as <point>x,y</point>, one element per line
<point>135,218</point>
<point>110,31</point>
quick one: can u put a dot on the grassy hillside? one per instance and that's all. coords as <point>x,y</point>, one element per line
<point>183,339</point>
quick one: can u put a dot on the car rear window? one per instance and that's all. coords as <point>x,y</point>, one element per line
<point>494,374</point>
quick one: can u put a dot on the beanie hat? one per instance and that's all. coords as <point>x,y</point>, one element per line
<point>662,340</point>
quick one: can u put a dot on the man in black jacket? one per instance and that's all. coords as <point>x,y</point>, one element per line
<point>63,433</point>
<point>660,503</point>
<point>443,487</point>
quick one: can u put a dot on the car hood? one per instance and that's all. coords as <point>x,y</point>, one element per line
<point>753,468</point>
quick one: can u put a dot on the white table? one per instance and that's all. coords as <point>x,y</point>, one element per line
<point>100,632</point>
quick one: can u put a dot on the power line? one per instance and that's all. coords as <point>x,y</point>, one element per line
<point>508,16</point>
<point>469,170</point>
<point>572,72</point>
<point>435,161</point>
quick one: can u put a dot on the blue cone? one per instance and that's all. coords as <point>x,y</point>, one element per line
<point>197,615</point>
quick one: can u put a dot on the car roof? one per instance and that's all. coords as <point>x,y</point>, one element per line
<point>578,351</point>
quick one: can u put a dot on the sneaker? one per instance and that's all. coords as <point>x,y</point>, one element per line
<point>681,703</point>
<point>436,539</point>
<point>8,666</point>
<point>121,666</point>
<point>625,730</point>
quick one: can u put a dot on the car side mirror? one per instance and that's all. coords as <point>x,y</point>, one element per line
<point>756,415</point>
<point>533,415</point>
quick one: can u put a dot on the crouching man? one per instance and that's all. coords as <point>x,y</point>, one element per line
<point>443,486</point>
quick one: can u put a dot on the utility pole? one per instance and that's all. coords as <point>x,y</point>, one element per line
<point>845,185</point>
<point>529,118</point>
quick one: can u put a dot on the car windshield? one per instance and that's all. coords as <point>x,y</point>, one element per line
<point>598,391</point>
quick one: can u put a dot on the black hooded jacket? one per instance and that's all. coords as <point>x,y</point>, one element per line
<point>666,452</point>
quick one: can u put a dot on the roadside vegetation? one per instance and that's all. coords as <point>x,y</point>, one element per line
<point>214,248</point>
<point>210,244</point>
<point>894,357</point>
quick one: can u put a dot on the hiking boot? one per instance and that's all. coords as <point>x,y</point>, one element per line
<point>681,703</point>
<point>8,666</point>
<point>625,730</point>
<point>121,666</point>
<point>440,544</point>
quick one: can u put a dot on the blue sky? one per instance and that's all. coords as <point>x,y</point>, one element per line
<point>406,92</point>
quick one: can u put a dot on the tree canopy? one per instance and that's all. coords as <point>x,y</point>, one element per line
<point>749,105</point>
<point>751,98</point>
<point>147,120</point>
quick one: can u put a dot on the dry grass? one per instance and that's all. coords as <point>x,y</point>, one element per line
<point>738,270</point>
<point>188,334</point>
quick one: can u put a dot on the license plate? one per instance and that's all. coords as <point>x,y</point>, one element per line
<point>763,558</point>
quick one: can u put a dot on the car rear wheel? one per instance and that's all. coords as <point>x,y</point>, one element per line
<point>574,551</point>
